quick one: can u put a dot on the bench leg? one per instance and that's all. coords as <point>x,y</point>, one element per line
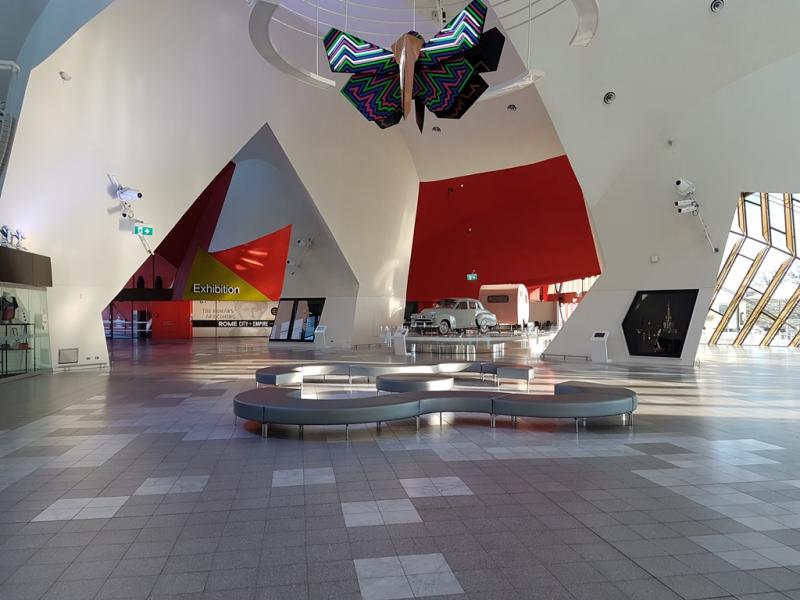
<point>301,431</point>
<point>630,419</point>
<point>264,430</point>
<point>417,418</point>
<point>577,425</point>
<point>347,432</point>
<point>514,421</point>
<point>440,419</point>
<point>493,420</point>
<point>379,425</point>
<point>235,420</point>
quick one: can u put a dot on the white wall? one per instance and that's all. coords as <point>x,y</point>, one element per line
<point>721,87</point>
<point>162,95</point>
<point>265,195</point>
<point>55,22</point>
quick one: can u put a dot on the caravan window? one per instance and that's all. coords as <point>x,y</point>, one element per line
<point>499,299</point>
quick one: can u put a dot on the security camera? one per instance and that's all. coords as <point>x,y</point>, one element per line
<point>685,202</point>
<point>123,193</point>
<point>692,209</point>
<point>685,187</point>
<point>128,194</point>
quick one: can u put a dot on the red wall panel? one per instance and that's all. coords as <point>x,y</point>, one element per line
<point>172,320</point>
<point>524,225</point>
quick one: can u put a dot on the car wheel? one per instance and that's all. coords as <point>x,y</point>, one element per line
<point>484,327</point>
<point>444,327</point>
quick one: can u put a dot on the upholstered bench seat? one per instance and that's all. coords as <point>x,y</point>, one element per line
<point>413,382</point>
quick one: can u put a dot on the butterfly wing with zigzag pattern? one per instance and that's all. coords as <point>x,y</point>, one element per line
<point>348,54</point>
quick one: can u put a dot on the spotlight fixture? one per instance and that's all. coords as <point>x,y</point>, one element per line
<point>65,76</point>
<point>19,235</point>
<point>436,129</point>
<point>717,5</point>
<point>511,107</point>
<point>609,97</point>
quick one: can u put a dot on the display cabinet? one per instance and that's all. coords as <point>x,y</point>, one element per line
<point>17,349</point>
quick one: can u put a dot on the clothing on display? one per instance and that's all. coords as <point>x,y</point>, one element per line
<point>8,307</point>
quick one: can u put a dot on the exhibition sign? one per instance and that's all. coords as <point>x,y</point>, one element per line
<point>232,319</point>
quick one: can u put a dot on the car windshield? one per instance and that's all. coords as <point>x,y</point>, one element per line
<point>446,303</point>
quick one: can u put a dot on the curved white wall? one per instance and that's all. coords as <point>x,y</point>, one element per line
<point>162,95</point>
<point>721,87</point>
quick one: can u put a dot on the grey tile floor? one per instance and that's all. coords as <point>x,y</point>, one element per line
<point>137,483</point>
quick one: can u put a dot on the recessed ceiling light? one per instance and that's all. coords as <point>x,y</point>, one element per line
<point>511,107</point>
<point>436,128</point>
<point>609,97</point>
<point>717,5</point>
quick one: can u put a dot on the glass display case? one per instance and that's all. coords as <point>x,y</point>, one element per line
<point>24,337</point>
<point>296,319</point>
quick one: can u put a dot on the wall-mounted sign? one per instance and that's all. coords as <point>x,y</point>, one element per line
<point>232,318</point>
<point>227,324</point>
<point>212,288</point>
<point>209,279</point>
<point>472,277</point>
<point>142,229</point>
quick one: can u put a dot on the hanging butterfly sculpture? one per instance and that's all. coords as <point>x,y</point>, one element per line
<point>442,74</point>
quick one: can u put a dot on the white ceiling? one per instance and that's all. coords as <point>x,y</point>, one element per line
<point>16,19</point>
<point>489,137</point>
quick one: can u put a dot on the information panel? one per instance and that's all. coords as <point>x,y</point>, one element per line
<point>232,319</point>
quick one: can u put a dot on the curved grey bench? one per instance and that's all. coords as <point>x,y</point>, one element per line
<point>413,382</point>
<point>454,401</point>
<point>285,407</point>
<point>293,374</point>
<point>375,370</point>
<point>508,371</point>
<point>575,400</point>
<point>572,399</point>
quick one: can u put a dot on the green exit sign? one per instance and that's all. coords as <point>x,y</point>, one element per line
<point>472,277</point>
<point>143,229</point>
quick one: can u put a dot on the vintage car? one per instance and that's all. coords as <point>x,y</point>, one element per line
<point>454,314</point>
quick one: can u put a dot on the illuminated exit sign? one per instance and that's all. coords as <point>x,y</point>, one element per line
<point>472,277</point>
<point>141,229</point>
